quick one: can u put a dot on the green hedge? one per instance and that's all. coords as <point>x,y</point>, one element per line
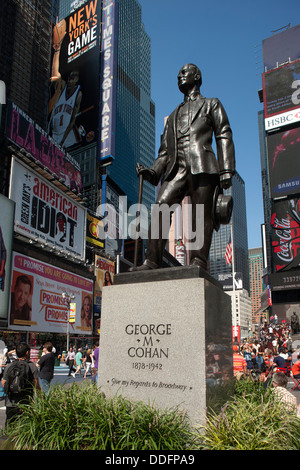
<point>81,418</point>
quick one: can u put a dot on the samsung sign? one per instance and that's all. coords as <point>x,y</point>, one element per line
<point>282,119</point>
<point>107,116</point>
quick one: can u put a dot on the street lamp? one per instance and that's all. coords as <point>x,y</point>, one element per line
<point>65,295</point>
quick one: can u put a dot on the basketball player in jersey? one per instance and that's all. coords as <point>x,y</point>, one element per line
<point>64,105</point>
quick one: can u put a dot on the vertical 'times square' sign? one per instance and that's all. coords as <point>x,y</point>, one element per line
<point>107,111</point>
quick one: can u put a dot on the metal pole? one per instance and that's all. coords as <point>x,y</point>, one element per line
<point>68,326</point>
<point>140,197</point>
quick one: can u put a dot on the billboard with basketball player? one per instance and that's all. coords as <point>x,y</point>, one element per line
<point>73,105</point>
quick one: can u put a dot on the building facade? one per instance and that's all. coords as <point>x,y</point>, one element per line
<point>279,131</point>
<point>256,282</point>
<point>238,225</point>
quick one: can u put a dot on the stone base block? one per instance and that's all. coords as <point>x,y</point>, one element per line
<point>165,342</point>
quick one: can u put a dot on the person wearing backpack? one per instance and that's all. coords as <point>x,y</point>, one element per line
<point>19,381</point>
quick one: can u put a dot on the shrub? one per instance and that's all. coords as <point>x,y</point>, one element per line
<point>81,418</point>
<point>251,421</point>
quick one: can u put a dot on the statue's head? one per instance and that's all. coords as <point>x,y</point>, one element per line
<point>188,76</point>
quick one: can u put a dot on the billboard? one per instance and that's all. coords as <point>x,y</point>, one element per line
<point>281,47</point>
<point>45,214</point>
<point>285,234</point>
<point>284,163</point>
<point>73,109</point>
<point>27,135</point>
<point>6,240</point>
<point>37,303</point>
<point>104,272</point>
<point>93,228</point>
<point>281,89</point>
<point>108,81</point>
<point>285,280</point>
<point>225,280</point>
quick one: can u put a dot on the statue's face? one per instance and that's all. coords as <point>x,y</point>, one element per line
<point>186,77</point>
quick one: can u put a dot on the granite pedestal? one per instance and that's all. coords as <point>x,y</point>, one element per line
<point>165,338</point>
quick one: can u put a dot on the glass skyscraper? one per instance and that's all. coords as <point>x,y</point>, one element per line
<point>240,238</point>
<point>135,125</point>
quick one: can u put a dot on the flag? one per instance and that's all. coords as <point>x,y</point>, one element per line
<point>228,254</point>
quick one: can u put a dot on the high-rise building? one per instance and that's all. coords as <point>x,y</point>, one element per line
<point>221,238</point>
<point>25,45</point>
<point>256,284</point>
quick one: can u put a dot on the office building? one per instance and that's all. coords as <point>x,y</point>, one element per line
<point>238,224</point>
<point>25,45</point>
<point>256,282</point>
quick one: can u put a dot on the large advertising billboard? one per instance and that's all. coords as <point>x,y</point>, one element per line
<point>285,234</point>
<point>284,163</point>
<point>73,109</point>
<point>45,214</point>
<point>94,227</point>
<point>281,48</point>
<point>37,303</point>
<point>6,240</point>
<point>27,135</point>
<point>225,280</point>
<point>281,90</point>
<point>104,272</point>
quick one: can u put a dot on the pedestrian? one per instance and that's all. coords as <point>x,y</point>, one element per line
<point>96,359</point>
<point>70,360</point>
<point>20,380</point>
<point>248,358</point>
<point>78,362</point>
<point>239,366</point>
<point>46,367</point>
<point>282,395</point>
<point>87,361</point>
<point>296,368</point>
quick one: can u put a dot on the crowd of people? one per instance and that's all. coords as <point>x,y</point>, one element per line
<point>20,376</point>
<point>270,349</point>
<point>83,359</point>
<point>270,357</point>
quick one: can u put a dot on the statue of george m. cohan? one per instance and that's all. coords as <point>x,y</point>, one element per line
<point>187,165</point>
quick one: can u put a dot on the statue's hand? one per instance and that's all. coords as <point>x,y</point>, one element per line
<point>225,180</point>
<point>147,173</point>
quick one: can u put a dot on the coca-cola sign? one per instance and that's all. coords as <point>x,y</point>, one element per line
<point>285,224</point>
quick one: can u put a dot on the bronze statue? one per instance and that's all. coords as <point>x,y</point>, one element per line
<point>187,164</point>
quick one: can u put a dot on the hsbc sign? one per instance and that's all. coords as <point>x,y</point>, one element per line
<point>282,119</point>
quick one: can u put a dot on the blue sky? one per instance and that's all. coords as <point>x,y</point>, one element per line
<point>224,39</point>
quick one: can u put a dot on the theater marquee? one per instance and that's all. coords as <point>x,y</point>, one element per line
<point>45,214</point>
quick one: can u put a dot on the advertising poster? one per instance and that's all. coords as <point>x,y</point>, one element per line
<point>37,303</point>
<point>285,234</point>
<point>29,136</point>
<point>45,214</point>
<point>6,239</point>
<point>281,47</point>
<point>73,109</point>
<point>284,163</point>
<point>94,226</point>
<point>104,272</point>
<point>280,89</point>
<point>225,280</point>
